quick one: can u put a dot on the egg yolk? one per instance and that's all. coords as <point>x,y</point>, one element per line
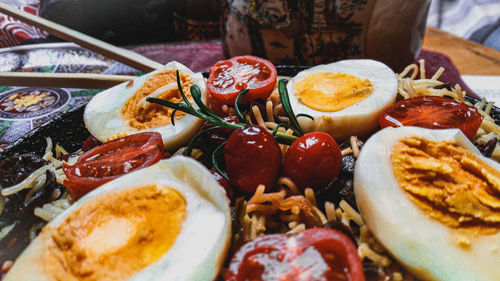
<point>114,236</point>
<point>449,183</point>
<point>329,92</point>
<point>154,115</point>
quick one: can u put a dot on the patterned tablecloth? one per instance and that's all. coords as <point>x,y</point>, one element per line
<point>24,108</point>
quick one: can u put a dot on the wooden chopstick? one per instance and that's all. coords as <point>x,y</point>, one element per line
<point>62,80</point>
<point>119,54</point>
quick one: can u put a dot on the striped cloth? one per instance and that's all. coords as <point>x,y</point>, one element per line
<point>12,31</point>
<point>476,20</point>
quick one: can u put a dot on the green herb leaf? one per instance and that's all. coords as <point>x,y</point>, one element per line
<point>240,116</point>
<point>214,161</point>
<point>305,115</point>
<point>196,94</point>
<point>285,102</point>
<point>191,144</point>
<point>172,117</point>
<point>179,86</point>
<point>285,125</point>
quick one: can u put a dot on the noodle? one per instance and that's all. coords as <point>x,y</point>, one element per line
<point>422,69</point>
<point>28,182</point>
<point>330,211</point>
<point>438,74</point>
<point>269,111</point>
<point>351,213</point>
<point>346,151</point>
<point>309,194</point>
<point>286,182</point>
<point>354,146</point>
<point>258,116</point>
<point>366,252</point>
<point>48,149</point>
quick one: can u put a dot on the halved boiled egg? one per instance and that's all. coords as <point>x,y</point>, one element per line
<point>170,221</point>
<point>433,201</point>
<point>345,97</point>
<point>123,109</point>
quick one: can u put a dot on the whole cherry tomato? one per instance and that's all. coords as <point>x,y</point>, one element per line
<point>111,160</point>
<point>433,113</point>
<point>212,139</point>
<point>252,157</point>
<point>313,160</point>
<point>228,78</point>
<point>313,254</point>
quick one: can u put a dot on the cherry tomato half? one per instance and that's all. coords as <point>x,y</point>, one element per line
<point>313,160</point>
<point>228,78</point>
<point>90,143</point>
<point>111,160</point>
<point>433,113</point>
<point>252,157</point>
<point>313,254</point>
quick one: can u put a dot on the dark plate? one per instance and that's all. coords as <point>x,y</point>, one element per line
<point>68,129</point>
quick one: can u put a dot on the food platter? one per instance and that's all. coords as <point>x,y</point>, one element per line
<point>69,131</point>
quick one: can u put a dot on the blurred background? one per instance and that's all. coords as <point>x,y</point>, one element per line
<point>130,22</point>
<point>475,20</point>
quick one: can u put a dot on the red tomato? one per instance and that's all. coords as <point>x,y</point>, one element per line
<point>111,160</point>
<point>252,157</point>
<point>224,183</point>
<point>433,113</point>
<point>228,78</point>
<point>89,143</point>
<point>313,160</point>
<point>212,139</point>
<point>313,254</point>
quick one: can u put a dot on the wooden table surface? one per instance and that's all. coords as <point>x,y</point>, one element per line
<point>469,57</point>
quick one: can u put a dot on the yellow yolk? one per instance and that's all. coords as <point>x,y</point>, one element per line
<point>155,115</point>
<point>449,183</point>
<point>114,236</point>
<point>329,92</point>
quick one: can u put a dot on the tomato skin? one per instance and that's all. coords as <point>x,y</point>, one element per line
<point>224,183</point>
<point>228,78</point>
<point>212,139</point>
<point>90,143</point>
<point>252,157</point>
<point>106,162</point>
<point>433,113</point>
<point>313,160</point>
<point>287,257</point>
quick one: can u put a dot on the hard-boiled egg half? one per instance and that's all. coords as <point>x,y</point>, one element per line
<point>123,109</point>
<point>433,201</point>
<point>345,97</point>
<point>170,221</point>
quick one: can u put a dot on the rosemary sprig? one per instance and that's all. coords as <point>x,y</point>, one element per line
<point>304,115</point>
<point>206,114</point>
<point>285,102</point>
<point>284,125</point>
<point>216,152</point>
<point>237,108</point>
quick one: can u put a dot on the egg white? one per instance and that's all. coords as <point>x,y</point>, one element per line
<point>199,249</point>
<point>103,118</point>
<point>423,245</point>
<point>361,118</point>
